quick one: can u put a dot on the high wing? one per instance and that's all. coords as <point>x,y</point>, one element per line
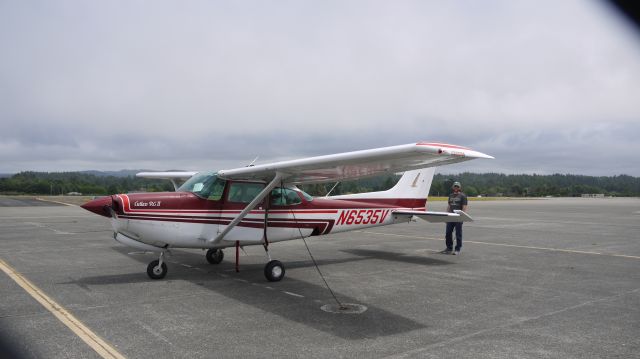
<point>347,165</point>
<point>357,164</point>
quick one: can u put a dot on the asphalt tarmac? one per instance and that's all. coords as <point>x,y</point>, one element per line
<point>556,278</point>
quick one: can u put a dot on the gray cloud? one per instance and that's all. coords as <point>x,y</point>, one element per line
<point>543,87</point>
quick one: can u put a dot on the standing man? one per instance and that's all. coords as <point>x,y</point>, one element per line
<point>457,201</point>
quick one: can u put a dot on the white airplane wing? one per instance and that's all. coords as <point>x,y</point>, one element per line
<point>357,164</point>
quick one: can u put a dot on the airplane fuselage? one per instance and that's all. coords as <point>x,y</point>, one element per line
<point>184,220</point>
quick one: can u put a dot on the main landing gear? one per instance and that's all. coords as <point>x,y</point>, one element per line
<point>215,256</point>
<point>273,271</point>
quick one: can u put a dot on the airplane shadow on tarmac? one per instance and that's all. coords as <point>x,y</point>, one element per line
<point>250,287</point>
<point>396,257</point>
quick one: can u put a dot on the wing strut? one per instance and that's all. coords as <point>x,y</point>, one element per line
<point>276,180</point>
<point>175,184</point>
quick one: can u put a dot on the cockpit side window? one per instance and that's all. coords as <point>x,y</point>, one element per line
<point>284,197</point>
<point>244,192</point>
<point>215,189</point>
<point>204,185</point>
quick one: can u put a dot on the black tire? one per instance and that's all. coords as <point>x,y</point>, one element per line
<point>156,272</point>
<point>274,271</point>
<point>215,256</point>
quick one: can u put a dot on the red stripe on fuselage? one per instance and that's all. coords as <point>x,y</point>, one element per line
<point>188,208</point>
<point>324,224</point>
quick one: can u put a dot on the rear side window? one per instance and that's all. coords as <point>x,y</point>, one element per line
<point>284,197</point>
<point>244,192</point>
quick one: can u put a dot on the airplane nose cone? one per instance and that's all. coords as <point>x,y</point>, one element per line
<point>99,206</point>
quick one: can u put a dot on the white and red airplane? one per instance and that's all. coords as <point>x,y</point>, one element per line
<point>260,205</point>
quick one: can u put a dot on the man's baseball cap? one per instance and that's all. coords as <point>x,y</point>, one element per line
<point>456,184</point>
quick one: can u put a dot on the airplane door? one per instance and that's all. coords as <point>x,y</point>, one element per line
<point>201,212</point>
<point>282,223</point>
<point>238,196</point>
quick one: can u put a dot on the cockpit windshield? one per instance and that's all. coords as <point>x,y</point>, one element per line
<point>205,185</point>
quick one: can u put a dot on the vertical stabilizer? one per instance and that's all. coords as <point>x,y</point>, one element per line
<point>413,185</point>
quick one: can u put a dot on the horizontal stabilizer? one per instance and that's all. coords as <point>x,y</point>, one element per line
<point>436,217</point>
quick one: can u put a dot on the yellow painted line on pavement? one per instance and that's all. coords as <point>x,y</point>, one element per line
<point>513,245</point>
<point>82,331</point>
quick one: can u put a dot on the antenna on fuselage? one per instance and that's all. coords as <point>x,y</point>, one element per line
<point>254,161</point>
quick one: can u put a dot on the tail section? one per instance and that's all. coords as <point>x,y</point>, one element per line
<point>412,184</point>
<point>411,190</point>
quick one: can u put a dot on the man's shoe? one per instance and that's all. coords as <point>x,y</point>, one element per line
<point>446,251</point>
<point>456,253</point>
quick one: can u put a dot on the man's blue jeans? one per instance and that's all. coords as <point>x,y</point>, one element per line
<point>449,232</point>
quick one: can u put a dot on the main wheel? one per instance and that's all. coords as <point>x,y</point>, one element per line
<point>215,256</point>
<point>274,271</point>
<point>155,271</point>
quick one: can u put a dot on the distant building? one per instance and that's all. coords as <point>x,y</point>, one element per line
<point>593,195</point>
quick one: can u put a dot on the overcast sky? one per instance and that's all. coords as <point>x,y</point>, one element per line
<point>544,86</point>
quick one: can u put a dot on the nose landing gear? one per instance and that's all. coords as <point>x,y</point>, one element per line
<point>157,269</point>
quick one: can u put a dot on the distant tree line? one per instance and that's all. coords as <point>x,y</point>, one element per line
<point>56,183</point>
<point>474,184</point>
<point>498,185</point>
<point>560,185</point>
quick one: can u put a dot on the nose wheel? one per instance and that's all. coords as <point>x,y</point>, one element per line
<point>157,269</point>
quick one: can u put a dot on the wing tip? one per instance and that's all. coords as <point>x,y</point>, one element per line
<point>456,150</point>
